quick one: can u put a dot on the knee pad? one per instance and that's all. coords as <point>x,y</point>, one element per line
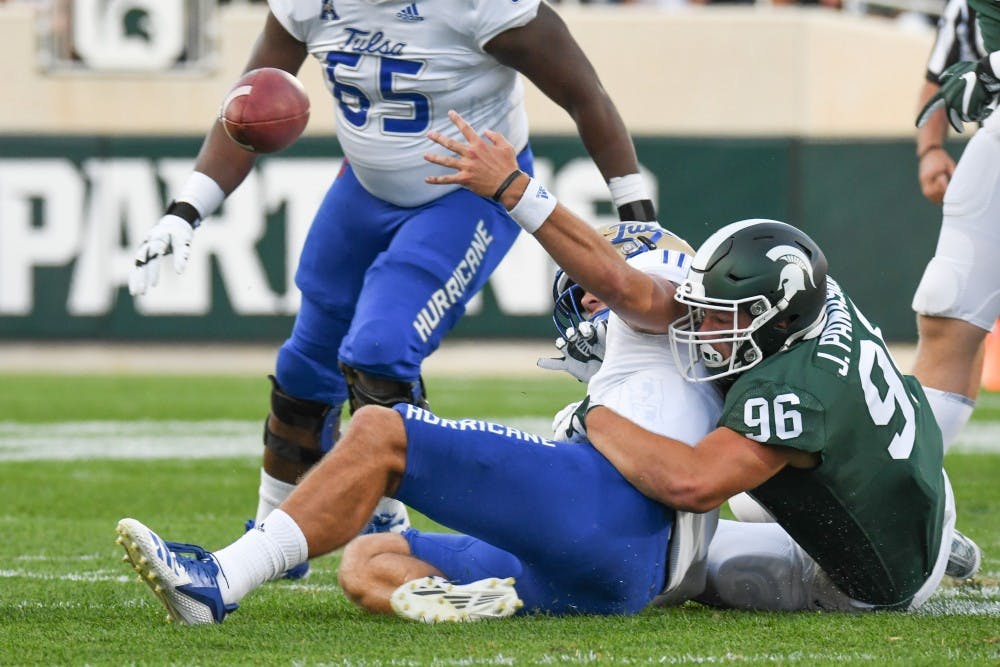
<point>746,509</point>
<point>755,566</point>
<point>294,428</point>
<point>367,389</point>
<point>939,289</point>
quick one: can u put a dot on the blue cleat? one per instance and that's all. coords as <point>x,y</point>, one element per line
<point>300,571</point>
<point>187,586</point>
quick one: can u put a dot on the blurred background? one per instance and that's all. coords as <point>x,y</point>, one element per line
<point>797,111</point>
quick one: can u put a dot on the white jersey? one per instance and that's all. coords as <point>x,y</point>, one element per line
<point>396,67</point>
<point>640,381</point>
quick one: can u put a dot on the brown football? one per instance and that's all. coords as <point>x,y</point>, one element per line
<point>265,111</point>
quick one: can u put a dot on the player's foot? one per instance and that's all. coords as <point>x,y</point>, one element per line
<point>300,571</point>
<point>187,586</point>
<point>435,600</point>
<point>390,516</point>
<point>965,557</point>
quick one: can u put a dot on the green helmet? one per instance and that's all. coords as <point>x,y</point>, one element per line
<point>770,272</point>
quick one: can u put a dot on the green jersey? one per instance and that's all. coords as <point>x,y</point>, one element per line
<point>871,512</point>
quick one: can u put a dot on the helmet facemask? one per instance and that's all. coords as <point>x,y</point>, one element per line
<point>568,311</point>
<point>691,345</point>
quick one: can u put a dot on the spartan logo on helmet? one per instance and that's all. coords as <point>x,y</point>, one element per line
<point>796,271</point>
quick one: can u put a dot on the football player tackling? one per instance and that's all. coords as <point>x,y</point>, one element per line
<point>393,69</point>
<point>818,425</point>
<point>508,492</point>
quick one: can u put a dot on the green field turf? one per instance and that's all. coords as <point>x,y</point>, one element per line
<point>65,597</point>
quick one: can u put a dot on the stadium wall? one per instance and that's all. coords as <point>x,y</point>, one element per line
<point>799,114</point>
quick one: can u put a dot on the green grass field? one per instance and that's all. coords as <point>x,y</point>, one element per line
<point>73,460</point>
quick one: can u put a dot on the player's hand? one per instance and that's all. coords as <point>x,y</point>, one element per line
<point>582,349</point>
<point>172,235</point>
<point>968,93</point>
<point>480,165</point>
<point>934,173</point>
<point>569,424</point>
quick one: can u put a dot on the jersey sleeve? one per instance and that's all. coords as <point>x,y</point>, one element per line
<point>493,17</point>
<point>776,414</point>
<point>296,16</point>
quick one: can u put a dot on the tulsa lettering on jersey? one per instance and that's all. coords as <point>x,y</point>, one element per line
<point>451,293</point>
<point>419,414</point>
<point>835,341</point>
<point>366,41</point>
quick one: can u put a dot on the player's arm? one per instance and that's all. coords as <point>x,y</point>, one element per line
<point>220,158</point>
<point>644,301</point>
<point>220,167</point>
<point>694,479</point>
<point>934,165</point>
<point>547,54</point>
<point>488,167</point>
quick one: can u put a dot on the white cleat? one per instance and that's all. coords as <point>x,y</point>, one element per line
<point>436,600</point>
<point>389,516</point>
<point>965,558</point>
<point>186,585</point>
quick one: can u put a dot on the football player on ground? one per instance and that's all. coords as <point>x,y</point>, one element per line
<point>360,335</point>
<point>613,552</point>
<point>818,423</point>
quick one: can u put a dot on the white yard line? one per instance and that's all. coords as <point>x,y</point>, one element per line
<point>455,358</point>
<point>226,439</point>
<point>462,358</point>
<point>150,439</point>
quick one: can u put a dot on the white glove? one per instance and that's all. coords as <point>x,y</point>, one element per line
<point>583,351</point>
<point>171,235</point>
<point>569,425</point>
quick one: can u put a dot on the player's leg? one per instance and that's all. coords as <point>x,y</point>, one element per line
<point>589,542</point>
<point>949,365</point>
<point>757,566</point>
<point>349,230</point>
<point>958,298</point>
<point>430,576</point>
<point>328,508</point>
<point>417,290</point>
<point>373,566</point>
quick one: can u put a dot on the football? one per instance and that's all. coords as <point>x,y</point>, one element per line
<point>265,111</point>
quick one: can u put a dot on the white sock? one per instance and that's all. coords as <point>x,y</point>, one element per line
<point>264,553</point>
<point>272,493</point>
<point>952,412</point>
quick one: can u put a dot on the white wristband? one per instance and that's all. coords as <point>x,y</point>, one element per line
<point>534,207</point>
<point>202,192</point>
<point>626,189</point>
